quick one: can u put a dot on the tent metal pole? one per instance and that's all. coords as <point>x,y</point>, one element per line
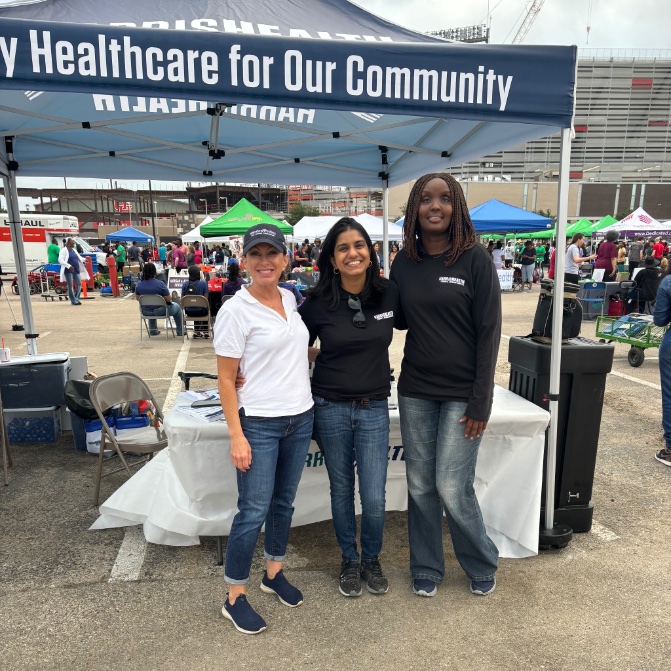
<point>12,197</point>
<point>385,219</point>
<point>557,317</point>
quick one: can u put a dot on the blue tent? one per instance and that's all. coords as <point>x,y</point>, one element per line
<point>497,217</point>
<point>129,234</point>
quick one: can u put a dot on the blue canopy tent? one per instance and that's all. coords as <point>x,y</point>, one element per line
<point>497,217</point>
<point>273,91</point>
<point>129,234</point>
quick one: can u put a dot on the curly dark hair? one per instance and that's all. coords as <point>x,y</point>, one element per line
<point>460,232</point>
<point>148,271</point>
<point>328,285</point>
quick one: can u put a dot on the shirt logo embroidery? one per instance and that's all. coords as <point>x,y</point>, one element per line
<point>384,315</point>
<point>452,280</point>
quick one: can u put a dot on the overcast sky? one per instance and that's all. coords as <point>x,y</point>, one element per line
<point>641,24</point>
<point>614,23</point>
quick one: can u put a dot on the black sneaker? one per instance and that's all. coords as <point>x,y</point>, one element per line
<point>664,456</point>
<point>244,618</point>
<point>350,578</point>
<point>373,576</point>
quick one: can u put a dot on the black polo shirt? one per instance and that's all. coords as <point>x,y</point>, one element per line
<point>354,362</point>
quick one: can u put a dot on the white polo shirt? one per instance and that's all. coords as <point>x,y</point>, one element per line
<point>273,354</point>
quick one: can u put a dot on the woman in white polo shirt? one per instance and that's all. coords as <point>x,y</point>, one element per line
<point>269,419</point>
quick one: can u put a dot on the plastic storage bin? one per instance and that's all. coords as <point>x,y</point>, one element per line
<point>34,381</point>
<point>94,429</point>
<point>125,424</point>
<point>33,425</point>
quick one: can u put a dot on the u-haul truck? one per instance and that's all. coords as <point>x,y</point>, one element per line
<point>38,232</point>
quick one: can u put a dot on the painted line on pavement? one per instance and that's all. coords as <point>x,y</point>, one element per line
<point>645,383</point>
<point>42,335</point>
<point>602,533</point>
<point>131,554</point>
<point>129,561</point>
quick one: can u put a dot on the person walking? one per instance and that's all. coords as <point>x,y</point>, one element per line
<point>73,270</point>
<point>270,430</point>
<point>120,257</point>
<point>351,311</point>
<point>450,302</point>
<point>606,257</point>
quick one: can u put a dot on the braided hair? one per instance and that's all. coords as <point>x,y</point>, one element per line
<point>460,232</point>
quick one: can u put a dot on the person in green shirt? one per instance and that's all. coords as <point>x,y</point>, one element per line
<point>52,252</point>
<point>540,255</point>
<point>120,257</point>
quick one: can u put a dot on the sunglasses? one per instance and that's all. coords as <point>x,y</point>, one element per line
<point>359,319</point>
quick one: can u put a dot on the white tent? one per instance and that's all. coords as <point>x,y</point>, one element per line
<point>318,227</point>
<point>194,234</point>
<point>638,222</point>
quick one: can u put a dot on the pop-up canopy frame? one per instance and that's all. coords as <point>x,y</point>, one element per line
<point>363,103</point>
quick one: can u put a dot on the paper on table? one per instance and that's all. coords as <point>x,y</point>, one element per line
<point>203,414</point>
<point>202,395</point>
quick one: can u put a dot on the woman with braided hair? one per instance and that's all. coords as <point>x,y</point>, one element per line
<point>451,305</point>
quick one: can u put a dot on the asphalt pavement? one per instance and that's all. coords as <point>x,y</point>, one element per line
<point>77,599</point>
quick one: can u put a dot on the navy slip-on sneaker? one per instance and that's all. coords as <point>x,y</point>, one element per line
<point>483,587</point>
<point>280,586</point>
<point>424,587</point>
<point>244,618</point>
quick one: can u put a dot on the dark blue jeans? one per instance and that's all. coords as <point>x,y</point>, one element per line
<point>350,435</point>
<point>266,492</point>
<point>440,469</point>
<point>174,311</point>
<point>665,378</point>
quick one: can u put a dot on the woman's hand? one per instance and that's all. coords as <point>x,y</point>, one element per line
<point>474,428</point>
<point>241,454</point>
<point>240,380</point>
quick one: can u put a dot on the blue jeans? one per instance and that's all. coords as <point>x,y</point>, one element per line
<point>440,468</point>
<point>74,286</point>
<point>266,492</point>
<point>665,377</point>
<point>349,434</point>
<point>174,310</point>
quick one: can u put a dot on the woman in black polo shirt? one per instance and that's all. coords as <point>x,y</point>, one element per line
<point>351,311</point>
<point>451,303</point>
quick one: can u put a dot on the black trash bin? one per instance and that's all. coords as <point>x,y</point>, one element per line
<point>584,366</point>
<point>78,401</point>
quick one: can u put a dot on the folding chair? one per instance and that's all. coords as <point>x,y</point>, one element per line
<point>196,302</point>
<point>593,293</point>
<point>154,301</point>
<point>108,391</point>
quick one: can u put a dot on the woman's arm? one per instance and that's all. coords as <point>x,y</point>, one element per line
<point>241,452</point>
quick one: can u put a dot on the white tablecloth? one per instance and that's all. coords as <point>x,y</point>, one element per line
<point>189,489</point>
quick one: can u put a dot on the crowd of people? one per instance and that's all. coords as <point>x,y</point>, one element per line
<point>264,346</point>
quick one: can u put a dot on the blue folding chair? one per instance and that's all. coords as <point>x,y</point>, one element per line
<point>593,293</point>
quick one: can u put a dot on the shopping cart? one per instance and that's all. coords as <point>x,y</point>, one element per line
<point>634,329</point>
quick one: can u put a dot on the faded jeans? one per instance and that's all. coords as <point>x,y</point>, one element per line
<point>266,492</point>
<point>174,310</point>
<point>440,470</point>
<point>74,281</point>
<point>352,436</point>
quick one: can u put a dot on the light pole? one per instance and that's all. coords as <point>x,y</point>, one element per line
<point>225,199</point>
<point>204,200</point>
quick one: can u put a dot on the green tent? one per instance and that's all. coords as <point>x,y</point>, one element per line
<point>238,219</point>
<point>583,226</point>
<point>602,223</point>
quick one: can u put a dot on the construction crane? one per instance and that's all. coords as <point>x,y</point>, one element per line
<point>536,6</point>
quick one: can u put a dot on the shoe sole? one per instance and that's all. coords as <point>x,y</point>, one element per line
<point>663,461</point>
<point>228,616</point>
<point>352,594</point>
<point>377,591</point>
<point>481,593</point>
<point>422,592</point>
<point>270,590</point>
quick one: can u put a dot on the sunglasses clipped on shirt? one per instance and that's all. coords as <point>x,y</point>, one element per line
<point>359,319</point>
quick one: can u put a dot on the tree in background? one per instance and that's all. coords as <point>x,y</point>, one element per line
<point>623,213</point>
<point>297,211</point>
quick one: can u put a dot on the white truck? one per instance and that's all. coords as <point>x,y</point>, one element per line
<point>39,231</point>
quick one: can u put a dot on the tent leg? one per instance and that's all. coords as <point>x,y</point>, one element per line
<point>557,535</point>
<point>385,220</point>
<point>12,198</point>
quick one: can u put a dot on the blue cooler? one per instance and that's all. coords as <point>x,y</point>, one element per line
<point>126,423</point>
